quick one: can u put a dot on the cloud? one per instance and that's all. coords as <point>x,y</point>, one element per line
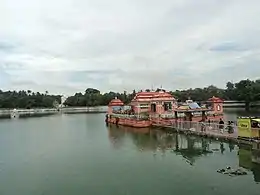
<point>6,46</point>
<point>228,46</point>
<point>4,78</point>
<point>124,45</point>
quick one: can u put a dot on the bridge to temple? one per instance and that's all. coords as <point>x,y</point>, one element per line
<point>211,130</point>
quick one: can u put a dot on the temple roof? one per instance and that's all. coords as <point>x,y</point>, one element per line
<point>115,102</point>
<point>215,99</point>
<point>143,96</point>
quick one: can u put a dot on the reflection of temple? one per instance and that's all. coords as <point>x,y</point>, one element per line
<point>115,137</point>
<point>142,138</point>
<point>188,147</point>
<point>193,148</point>
<point>249,158</point>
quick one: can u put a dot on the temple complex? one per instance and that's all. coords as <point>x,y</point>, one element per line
<point>147,108</point>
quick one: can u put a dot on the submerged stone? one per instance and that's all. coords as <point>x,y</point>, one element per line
<point>221,170</point>
<point>230,172</point>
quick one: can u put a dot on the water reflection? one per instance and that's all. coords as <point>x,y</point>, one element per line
<point>189,147</point>
<point>160,141</point>
<point>249,158</point>
<point>118,134</point>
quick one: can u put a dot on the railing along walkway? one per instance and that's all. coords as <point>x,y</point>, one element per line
<point>200,128</point>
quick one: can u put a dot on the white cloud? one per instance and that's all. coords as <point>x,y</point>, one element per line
<point>66,46</point>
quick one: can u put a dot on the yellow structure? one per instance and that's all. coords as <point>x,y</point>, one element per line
<point>249,127</point>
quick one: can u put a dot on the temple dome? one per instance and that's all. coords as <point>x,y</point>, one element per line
<point>215,99</point>
<point>115,102</point>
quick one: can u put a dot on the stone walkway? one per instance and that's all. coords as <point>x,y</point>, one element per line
<point>204,130</point>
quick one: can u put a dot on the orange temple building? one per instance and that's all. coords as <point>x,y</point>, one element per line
<point>153,102</point>
<point>148,108</point>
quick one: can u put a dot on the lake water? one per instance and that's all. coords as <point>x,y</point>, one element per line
<point>78,155</point>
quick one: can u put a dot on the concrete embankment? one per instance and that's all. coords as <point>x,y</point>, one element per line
<point>77,110</point>
<point>39,112</point>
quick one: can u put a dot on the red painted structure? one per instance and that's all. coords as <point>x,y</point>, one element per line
<point>114,103</point>
<point>153,102</point>
<point>217,104</point>
<point>148,108</point>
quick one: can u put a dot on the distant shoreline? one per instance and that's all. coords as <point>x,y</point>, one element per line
<point>20,113</point>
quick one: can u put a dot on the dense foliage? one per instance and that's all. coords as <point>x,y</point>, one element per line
<point>245,90</point>
<point>27,99</point>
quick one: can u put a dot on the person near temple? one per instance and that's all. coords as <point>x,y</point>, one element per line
<point>221,125</point>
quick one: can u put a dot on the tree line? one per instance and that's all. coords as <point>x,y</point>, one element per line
<point>28,99</point>
<point>244,90</point>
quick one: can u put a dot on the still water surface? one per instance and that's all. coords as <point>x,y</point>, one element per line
<point>78,155</point>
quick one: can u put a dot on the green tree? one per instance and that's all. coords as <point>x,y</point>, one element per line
<point>26,99</point>
<point>248,91</point>
<point>244,90</point>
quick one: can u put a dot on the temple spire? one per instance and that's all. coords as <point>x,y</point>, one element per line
<point>152,88</point>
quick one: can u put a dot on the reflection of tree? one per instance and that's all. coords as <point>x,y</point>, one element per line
<point>247,160</point>
<point>256,172</point>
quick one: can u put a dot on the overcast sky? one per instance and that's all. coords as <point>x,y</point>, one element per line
<point>66,46</point>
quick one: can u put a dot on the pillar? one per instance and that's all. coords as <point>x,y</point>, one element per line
<point>109,110</point>
<point>204,116</point>
<point>190,116</point>
<point>159,108</point>
<point>176,115</point>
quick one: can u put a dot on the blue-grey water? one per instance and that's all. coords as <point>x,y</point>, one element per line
<point>78,155</point>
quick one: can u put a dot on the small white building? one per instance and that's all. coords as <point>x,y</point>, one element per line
<point>63,99</point>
